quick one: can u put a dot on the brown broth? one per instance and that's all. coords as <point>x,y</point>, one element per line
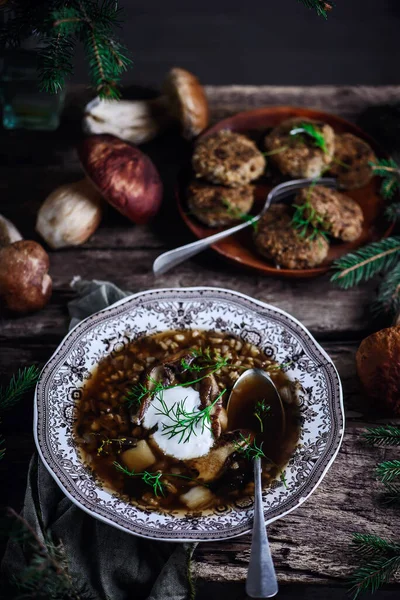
<point>104,427</point>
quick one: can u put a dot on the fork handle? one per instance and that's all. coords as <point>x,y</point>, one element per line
<point>172,258</point>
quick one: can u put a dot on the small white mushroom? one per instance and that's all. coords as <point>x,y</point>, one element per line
<point>8,232</point>
<point>70,215</point>
<point>183,101</point>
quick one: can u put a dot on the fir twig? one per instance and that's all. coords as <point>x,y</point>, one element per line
<point>19,384</point>
<point>389,170</point>
<point>388,299</point>
<point>392,212</point>
<point>384,435</point>
<point>373,574</point>
<point>388,471</point>
<point>360,266</point>
<point>322,7</point>
<point>392,493</point>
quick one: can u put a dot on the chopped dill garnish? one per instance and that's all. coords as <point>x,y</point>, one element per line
<point>153,479</point>
<point>249,448</point>
<point>183,423</point>
<point>310,130</point>
<point>261,411</point>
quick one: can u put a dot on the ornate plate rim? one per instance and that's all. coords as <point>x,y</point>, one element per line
<point>201,536</point>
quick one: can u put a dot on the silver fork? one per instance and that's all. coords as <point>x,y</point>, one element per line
<point>172,258</point>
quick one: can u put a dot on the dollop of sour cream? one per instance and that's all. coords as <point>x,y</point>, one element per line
<point>199,442</point>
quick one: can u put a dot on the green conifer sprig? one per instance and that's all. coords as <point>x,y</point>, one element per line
<point>59,26</point>
<point>392,212</point>
<point>389,170</point>
<point>359,266</point>
<point>322,7</point>
<point>388,298</point>
<point>384,435</point>
<point>388,471</point>
<point>375,572</point>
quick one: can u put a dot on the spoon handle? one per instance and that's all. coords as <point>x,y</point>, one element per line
<point>172,258</point>
<point>261,577</point>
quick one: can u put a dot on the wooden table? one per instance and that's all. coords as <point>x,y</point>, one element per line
<point>311,545</point>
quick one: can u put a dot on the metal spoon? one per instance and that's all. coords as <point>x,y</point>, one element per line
<point>172,258</point>
<point>261,577</point>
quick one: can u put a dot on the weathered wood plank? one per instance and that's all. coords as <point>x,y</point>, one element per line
<point>311,545</point>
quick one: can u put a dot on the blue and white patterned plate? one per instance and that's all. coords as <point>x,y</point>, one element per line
<point>274,331</point>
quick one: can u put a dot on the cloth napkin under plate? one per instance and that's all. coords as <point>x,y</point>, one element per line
<point>109,563</point>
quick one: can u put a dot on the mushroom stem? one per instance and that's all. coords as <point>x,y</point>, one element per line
<point>182,102</point>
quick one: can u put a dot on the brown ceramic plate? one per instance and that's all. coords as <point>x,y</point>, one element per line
<point>239,248</point>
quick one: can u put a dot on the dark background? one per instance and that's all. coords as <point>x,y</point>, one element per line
<point>261,41</point>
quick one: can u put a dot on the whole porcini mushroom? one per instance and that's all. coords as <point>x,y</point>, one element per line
<point>70,214</point>
<point>25,285</point>
<point>8,232</point>
<point>123,175</point>
<point>183,101</point>
<point>378,367</point>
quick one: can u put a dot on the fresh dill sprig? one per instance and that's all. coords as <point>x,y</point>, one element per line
<point>19,384</point>
<point>151,479</point>
<point>388,471</point>
<point>184,423</point>
<point>261,411</point>
<point>249,448</point>
<point>308,222</point>
<point>136,394</point>
<point>362,265</point>
<point>204,360</point>
<point>154,479</point>
<point>311,131</point>
<point>237,214</point>
<point>384,435</point>
<point>389,170</point>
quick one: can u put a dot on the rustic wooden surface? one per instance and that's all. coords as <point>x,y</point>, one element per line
<point>311,545</point>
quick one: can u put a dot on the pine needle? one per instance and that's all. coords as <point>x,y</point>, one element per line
<point>392,494</point>
<point>20,383</point>
<point>373,574</point>
<point>362,265</point>
<point>2,447</point>
<point>367,545</point>
<point>392,212</point>
<point>385,435</point>
<point>320,6</point>
<point>388,471</point>
<point>389,170</point>
<point>388,299</point>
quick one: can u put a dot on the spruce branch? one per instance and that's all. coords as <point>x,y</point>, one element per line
<point>388,471</point>
<point>389,170</point>
<point>19,384</point>
<point>359,266</point>
<point>384,435</point>
<point>47,574</point>
<point>388,299</point>
<point>374,573</point>
<point>392,493</point>
<point>392,212</point>
<point>322,7</point>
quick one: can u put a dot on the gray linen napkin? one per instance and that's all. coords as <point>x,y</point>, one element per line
<point>111,564</point>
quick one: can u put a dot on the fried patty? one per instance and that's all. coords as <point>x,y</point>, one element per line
<point>277,239</point>
<point>217,205</point>
<point>351,161</point>
<point>228,158</point>
<point>343,217</point>
<point>297,155</point>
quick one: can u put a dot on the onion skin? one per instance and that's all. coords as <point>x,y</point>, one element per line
<point>25,285</point>
<point>124,176</point>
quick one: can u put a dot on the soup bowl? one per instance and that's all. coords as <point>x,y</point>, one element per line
<point>276,333</point>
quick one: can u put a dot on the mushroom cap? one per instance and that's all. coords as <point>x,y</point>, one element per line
<point>8,232</point>
<point>187,101</point>
<point>378,367</point>
<point>25,285</point>
<point>124,176</point>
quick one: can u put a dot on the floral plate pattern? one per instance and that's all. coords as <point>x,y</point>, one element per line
<point>281,336</point>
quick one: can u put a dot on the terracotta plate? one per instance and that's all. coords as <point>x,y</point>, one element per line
<point>239,248</point>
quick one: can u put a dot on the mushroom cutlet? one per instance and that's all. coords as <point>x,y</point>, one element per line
<point>217,205</point>
<point>296,153</point>
<point>277,239</point>
<point>228,158</point>
<point>342,216</point>
<point>351,161</point>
